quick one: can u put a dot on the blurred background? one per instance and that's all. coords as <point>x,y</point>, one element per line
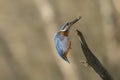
<point>27,27</point>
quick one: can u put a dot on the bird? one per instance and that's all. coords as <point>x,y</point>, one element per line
<point>62,41</point>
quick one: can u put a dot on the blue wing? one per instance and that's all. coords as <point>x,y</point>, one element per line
<point>61,44</point>
<point>58,46</point>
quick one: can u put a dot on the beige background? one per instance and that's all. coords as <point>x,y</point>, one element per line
<point>27,28</point>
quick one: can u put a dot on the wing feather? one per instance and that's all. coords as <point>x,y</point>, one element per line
<point>61,44</point>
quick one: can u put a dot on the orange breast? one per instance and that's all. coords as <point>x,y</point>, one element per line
<point>64,33</point>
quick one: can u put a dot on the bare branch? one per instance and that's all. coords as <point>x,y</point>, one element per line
<point>92,59</point>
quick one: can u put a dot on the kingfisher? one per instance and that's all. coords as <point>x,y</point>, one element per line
<point>62,41</point>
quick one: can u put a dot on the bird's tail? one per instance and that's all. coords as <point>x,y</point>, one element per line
<point>67,60</point>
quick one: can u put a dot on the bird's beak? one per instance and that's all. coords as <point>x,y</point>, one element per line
<point>74,21</point>
<point>69,24</point>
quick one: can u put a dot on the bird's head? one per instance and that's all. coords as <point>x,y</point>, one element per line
<point>67,25</point>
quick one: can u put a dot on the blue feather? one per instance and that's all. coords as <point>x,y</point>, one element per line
<point>60,46</point>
